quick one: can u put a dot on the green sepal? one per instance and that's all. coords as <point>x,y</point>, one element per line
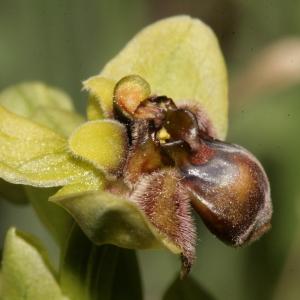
<point>34,155</point>
<point>180,57</point>
<point>109,219</point>
<point>42,104</point>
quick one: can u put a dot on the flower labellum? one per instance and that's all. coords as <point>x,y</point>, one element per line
<point>229,188</point>
<point>173,161</point>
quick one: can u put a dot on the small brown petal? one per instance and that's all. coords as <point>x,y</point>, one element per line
<point>166,203</point>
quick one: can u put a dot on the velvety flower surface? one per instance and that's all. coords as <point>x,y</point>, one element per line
<point>152,149</point>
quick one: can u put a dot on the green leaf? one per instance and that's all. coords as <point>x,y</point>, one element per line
<point>109,219</point>
<point>89,272</point>
<point>26,273</point>
<point>34,155</point>
<point>12,192</point>
<point>43,104</point>
<point>179,57</point>
<point>187,289</point>
<point>127,281</point>
<point>103,143</point>
<point>56,220</point>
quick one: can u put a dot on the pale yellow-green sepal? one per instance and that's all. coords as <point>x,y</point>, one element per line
<point>34,155</point>
<point>26,273</point>
<point>180,57</point>
<point>102,143</point>
<point>101,97</point>
<point>61,121</point>
<point>42,104</point>
<point>24,98</point>
<point>110,219</point>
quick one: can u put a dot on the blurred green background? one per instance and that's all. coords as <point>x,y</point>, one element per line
<point>62,42</point>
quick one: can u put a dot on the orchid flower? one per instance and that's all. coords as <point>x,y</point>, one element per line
<point>151,151</point>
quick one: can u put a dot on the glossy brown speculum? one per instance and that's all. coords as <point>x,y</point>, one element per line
<point>227,186</point>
